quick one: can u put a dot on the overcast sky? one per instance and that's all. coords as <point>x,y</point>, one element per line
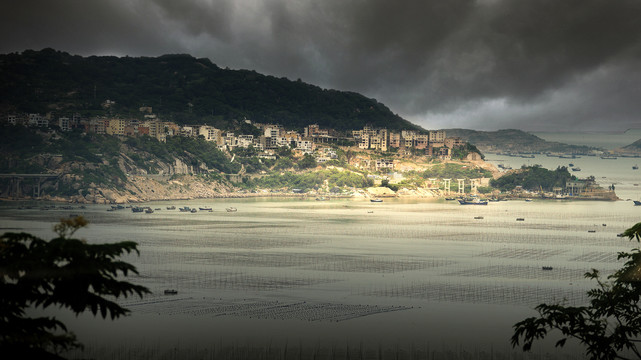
<point>479,64</point>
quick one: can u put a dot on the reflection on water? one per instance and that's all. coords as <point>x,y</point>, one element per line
<point>398,273</point>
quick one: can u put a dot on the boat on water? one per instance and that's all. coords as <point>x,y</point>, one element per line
<point>171,292</point>
<point>376,200</point>
<point>637,202</point>
<point>185,209</point>
<point>478,217</point>
<point>117,207</point>
<point>546,268</point>
<point>576,169</point>
<point>149,211</point>
<point>171,207</point>
<point>231,209</point>
<point>206,208</point>
<point>635,167</point>
<point>193,210</point>
<point>137,209</point>
<point>474,201</point>
<point>607,157</point>
<point>571,164</point>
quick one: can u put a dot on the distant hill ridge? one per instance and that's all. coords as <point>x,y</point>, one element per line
<point>512,140</point>
<point>179,88</point>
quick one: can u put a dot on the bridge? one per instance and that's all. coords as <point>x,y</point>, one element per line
<point>15,180</point>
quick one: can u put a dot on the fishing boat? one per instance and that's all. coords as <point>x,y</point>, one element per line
<point>635,167</point>
<point>608,157</point>
<point>474,201</point>
<point>205,208</point>
<point>149,211</point>
<point>171,292</point>
<point>576,169</point>
<point>376,200</point>
<point>231,209</point>
<point>185,209</point>
<point>637,202</point>
<point>171,207</point>
<point>193,210</point>
<point>137,209</point>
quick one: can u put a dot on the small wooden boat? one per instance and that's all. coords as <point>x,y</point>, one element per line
<point>171,292</point>
<point>231,209</point>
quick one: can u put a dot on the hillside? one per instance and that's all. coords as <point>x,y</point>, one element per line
<point>180,88</point>
<point>95,168</point>
<point>634,147</point>
<point>512,140</point>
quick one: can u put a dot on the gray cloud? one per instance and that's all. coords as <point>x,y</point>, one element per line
<point>483,64</point>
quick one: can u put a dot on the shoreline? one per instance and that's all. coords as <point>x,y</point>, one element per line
<point>318,197</point>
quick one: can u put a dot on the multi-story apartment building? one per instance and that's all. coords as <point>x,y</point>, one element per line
<point>210,133</point>
<point>437,136</point>
<point>95,125</point>
<point>384,164</point>
<point>394,140</point>
<point>156,129</point>
<point>421,141</point>
<point>38,120</point>
<point>64,123</point>
<point>115,127</point>
<point>453,142</point>
<point>245,141</point>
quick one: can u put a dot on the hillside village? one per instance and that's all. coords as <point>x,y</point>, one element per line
<point>264,137</point>
<point>369,162</point>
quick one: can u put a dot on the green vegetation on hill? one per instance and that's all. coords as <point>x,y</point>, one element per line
<point>455,171</point>
<point>533,178</point>
<point>180,88</point>
<point>311,180</point>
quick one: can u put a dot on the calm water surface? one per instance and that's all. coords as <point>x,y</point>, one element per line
<point>402,273</point>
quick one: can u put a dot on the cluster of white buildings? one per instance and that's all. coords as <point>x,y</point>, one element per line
<point>268,136</point>
<point>384,140</point>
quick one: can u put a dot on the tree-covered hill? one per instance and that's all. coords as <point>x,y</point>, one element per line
<point>533,178</point>
<point>512,140</point>
<point>179,88</point>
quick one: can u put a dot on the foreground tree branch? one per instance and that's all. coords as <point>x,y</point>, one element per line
<point>609,327</point>
<point>65,272</point>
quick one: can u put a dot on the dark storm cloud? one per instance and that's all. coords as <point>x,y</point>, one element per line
<point>479,64</point>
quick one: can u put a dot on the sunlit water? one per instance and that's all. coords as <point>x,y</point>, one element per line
<point>408,274</point>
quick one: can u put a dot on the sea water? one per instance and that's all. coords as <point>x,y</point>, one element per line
<point>607,172</point>
<point>428,276</point>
